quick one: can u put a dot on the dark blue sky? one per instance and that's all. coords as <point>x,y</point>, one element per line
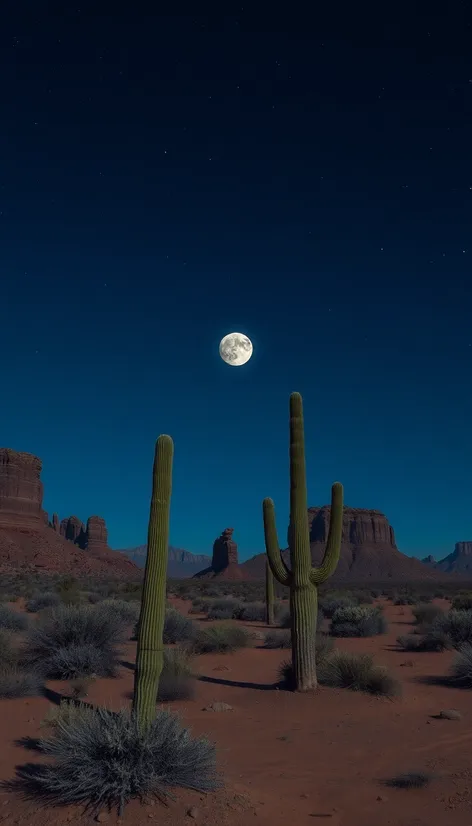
<point>166,180</point>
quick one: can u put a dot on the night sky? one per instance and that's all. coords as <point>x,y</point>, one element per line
<point>308,182</point>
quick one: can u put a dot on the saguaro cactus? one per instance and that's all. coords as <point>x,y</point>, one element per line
<point>302,578</point>
<point>269,595</point>
<point>149,658</point>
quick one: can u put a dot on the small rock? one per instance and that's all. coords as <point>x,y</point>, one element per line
<point>304,796</point>
<point>407,664</point>
<point>102,817</point>
<point>218,707</point>
<point>193,812</point>
<point>450,714</point>
<point>381,798</point>
<point>222,668</point>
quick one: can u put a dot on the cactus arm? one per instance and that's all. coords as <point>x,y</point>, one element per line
<point>333,545</point>
<point>276,562</point>
<point>150,648</point>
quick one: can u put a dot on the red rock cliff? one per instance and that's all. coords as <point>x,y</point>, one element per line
<point>96,535</point>
<point>21,490</point>
<point>360,527</point>
<point>73,529</point>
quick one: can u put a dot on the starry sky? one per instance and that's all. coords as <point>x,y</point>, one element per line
<point>165,180</point>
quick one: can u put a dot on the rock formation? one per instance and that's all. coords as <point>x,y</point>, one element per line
<point>459,562</point>
<point>368,549</point>
<point>224,563</point>
<point>28,542</point>
<point>96,535</point>
<point>181,564</point>
<point>429,560</point>
<point>21,490</point>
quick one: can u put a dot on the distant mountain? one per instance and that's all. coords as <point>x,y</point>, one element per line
<point>181,564</point>
<point>368,549</point>
<point>459,562</point>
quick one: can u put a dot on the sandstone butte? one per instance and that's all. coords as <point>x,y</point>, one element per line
<point>28,542</point>
<point>224,562</point>
<point>368,550</point>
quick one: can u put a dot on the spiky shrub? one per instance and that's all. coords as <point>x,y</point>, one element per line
<point>149,655</point>
<point>80,639</point>
<point>425,614</point>
<point>254,612</point>
<point>128,612</point>
<point>269,585</point>
<point>15,682</point>
<point>12,621</point>
<point>432,641</point>
<point>8,652</point>
<point>302,580</point>
<point>40,601</point>
<point>177,627</point>
<point>358,672</point>
<point>278,639</point>
<point>358,621</point>
<point>463,602</point>
<point>328,605</point>
<point>456,625</point>
<point>221,639</point>
<point>105,759</point>
<point>410,780</point>
<point>177,680</point>
<point>461,667</point>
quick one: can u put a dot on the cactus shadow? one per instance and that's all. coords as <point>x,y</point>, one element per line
<point>238,683</point>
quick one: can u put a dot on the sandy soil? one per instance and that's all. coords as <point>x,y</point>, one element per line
<point>290,758</point>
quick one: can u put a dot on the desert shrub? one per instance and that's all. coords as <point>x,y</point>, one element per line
<point>329,605</point>
<point>462,602</point>
<point>461,668</point>
<point>79,661</point>
<point>40,601</point>
<point>253,612</point>
<point>103,759</point>
<point>127,612</point>
<point>358,621</point>
<point>220,613</point>
<point>200,605</point>
<point>357,672</point>
<point>177,627</point>
<point>15,682</point>
<point>220,639</point>
<point>8,652</point>
<point>425,614</point>
<point>80,630</point>
<point>456,625</point>
<point>278,639</point>
<point>177,680</point>
<point>69,591</point>
<point>432,641</point>
<point>410,780</point>
<point>12,621</point>
<point>404,599</point>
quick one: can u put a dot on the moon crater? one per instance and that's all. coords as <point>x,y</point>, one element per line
<point>236,349</point>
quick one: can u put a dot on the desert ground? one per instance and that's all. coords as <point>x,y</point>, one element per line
<point>285,757</point>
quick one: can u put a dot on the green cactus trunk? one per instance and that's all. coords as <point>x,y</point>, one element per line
<point>150,649</point>
<point>269,595</point>
<point>302,579</point>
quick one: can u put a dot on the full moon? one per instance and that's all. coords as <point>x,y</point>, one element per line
<point>235,349</point>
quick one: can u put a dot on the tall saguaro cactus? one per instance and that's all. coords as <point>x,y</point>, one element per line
<point>302,578</point>
<point>269,583</point>
<point>150,650</point>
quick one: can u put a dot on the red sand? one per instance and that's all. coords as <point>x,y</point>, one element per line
<point>288,758</point>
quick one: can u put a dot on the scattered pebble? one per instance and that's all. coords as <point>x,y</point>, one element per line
<point>193,812</point>
<point>218,707</point>
<point>222,668</point>
<point>450,714</point>
<point>102,817</point>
